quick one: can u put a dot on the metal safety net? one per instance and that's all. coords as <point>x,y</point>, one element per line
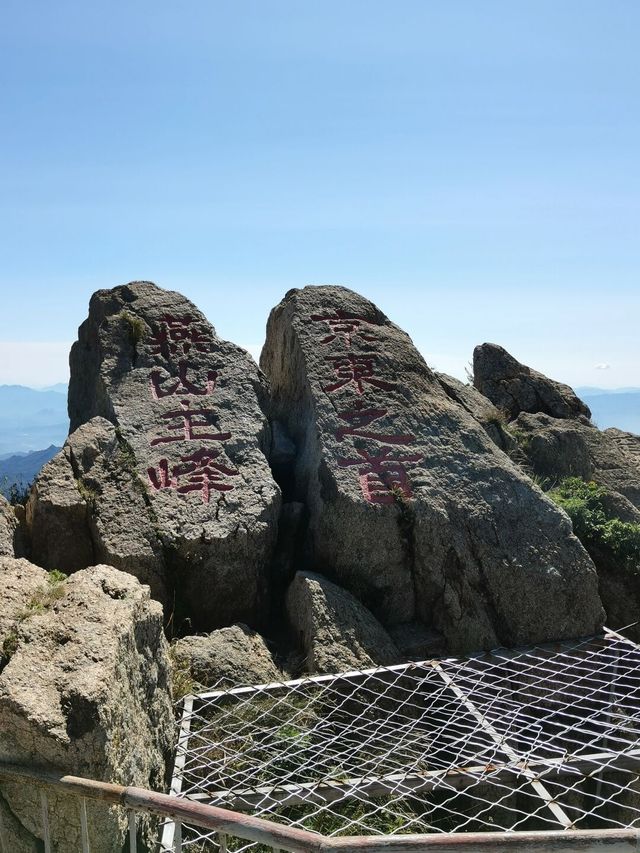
<point>539,738</point>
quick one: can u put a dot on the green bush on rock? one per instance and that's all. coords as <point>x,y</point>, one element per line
<point>584,503</point>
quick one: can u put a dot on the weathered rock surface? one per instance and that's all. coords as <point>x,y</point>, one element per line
<point>20,581</point>
<point>513,387</point>
<point>83,689</point>
<point>8,529</point>
<point>58,517</point>
<point>627,442</point>
<point>490,418</point>
<point>558,448</point>
<point>89,506</point>
<point>556,440</point>
<point>187,411</point>
<point>229,656</point>
<point>411,506</point>
<point>335,631</point>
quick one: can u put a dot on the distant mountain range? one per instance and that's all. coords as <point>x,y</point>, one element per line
<point>31,420</point>
<point>20,470</point>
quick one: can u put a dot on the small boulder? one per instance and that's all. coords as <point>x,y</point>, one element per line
<point>88,506</point>
<point>336,632</point>
<point>513,387</point>
<point>57,517</point>
<point>229,657</point>
<point>83,690</point>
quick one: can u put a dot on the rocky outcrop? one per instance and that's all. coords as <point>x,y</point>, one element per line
<point>88,506</point>
<point>83,690</point>
<point>557,448</point>
<point>335,631</point>
<point>628,443</point>
<point>57,517</point>
<point>557,442</point>
<point>9,533</point>
<point>178,489</point>
<point>229,657</point>
<point>513,387</point>
<point>20,582</point>
<point>411,506</point>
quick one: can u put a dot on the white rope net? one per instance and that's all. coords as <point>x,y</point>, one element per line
<point>532,739</point>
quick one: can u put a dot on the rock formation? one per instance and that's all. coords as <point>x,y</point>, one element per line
<point>228,657</point>
<point>175,488</point>
<point>490,418</point>
<point>83,690</point>
<point>556,448</point>
<point>558,444</point>
<point>515,388</point>
<point>89,506</point>
<point>336,632</point>
<point>410,504</point>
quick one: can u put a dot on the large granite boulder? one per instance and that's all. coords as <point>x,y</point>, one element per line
<point>89,506</point>
<point>334,630</point>
<point>513,387</point>
<point>198,506</point>
<point>230,657</point>
<point>410,504</point>
<point>83,690</point>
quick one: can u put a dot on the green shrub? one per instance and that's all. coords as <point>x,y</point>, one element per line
<point>593,524</point>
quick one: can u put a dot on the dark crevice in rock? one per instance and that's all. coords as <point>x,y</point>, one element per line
<point>406,528</point>
<point>81,714</point>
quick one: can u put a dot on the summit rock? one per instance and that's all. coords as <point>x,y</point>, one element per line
<point>189,423</point>
<point>411,506</point>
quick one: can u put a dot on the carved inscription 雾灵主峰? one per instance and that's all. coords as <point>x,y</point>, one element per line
<point>196,472</point>
<point>204,469</point>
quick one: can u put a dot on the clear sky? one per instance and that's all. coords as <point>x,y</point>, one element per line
<point>470,165</point>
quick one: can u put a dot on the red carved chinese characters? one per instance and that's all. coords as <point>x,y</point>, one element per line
<point>356,370</point>
<point>205,469</point>
<point>178,336</point>
<point>187,424</point>
<point>383,477</point>
<point>358,419</point>
<point>181,385</point>
<point>383,470</point>
<point>345,325</point>
<point>197,472</point>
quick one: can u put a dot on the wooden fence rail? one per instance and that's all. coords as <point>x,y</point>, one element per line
<point>281,837</point>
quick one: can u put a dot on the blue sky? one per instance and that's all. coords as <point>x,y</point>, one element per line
<point>470,166</point>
